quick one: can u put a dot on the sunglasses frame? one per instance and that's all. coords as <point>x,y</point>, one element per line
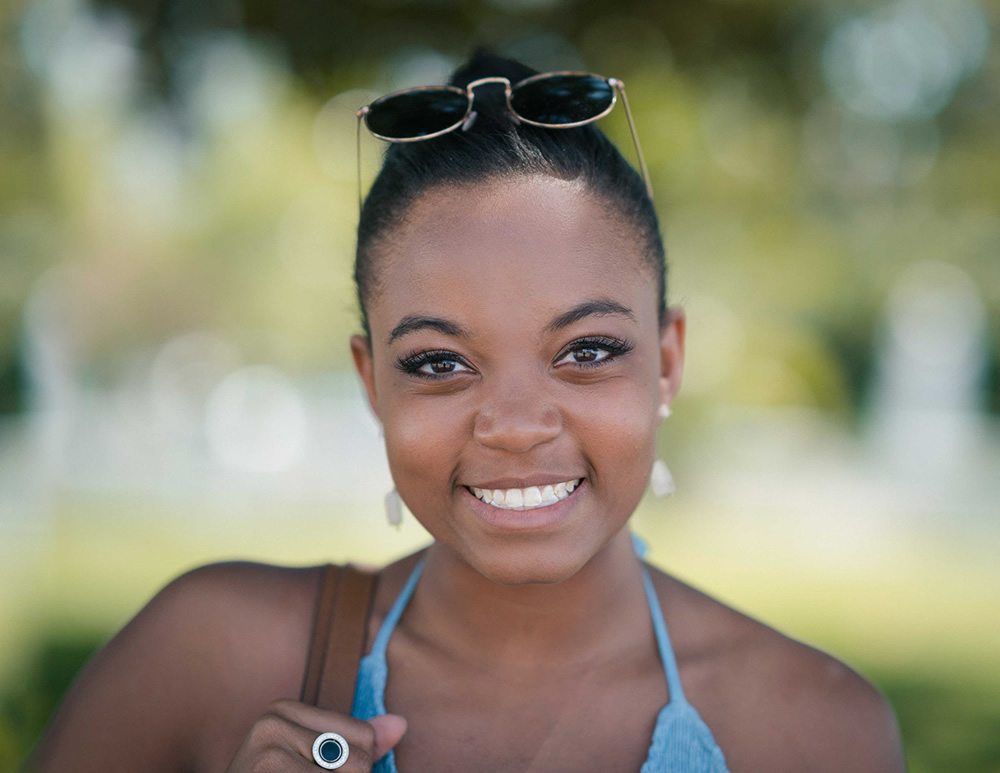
<point>617,87</point>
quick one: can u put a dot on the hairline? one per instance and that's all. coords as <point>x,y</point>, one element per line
<point>383,241</point>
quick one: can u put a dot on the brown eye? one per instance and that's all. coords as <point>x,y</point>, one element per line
<point>441,366</point>
<point>593,352</point>
<point>433,364</point>
<point>587,355</point>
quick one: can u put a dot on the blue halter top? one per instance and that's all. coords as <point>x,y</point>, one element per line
<point>681,743</point>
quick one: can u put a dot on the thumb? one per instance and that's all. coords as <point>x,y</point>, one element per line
<point>389,730</point>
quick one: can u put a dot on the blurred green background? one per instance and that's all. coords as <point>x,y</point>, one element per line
<point>177,204</point>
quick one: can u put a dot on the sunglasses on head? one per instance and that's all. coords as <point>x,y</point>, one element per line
<point>552,100</point>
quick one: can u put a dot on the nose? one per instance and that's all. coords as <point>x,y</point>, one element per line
<point>516,418</point>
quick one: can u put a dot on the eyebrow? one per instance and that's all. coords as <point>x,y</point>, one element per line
<point>600,307</point>
<point>412,323</point>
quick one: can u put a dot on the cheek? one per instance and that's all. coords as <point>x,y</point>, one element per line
<point>423,441</point>
<point>622,434</point>
<point>624,410</point>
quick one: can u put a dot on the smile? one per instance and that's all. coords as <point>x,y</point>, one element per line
<point>526,498</point>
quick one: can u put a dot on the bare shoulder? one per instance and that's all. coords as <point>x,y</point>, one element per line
<point>217,637</point>
<point>241,618</point>
<point>774,703</point>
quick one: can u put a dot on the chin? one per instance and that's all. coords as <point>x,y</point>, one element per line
<point>517,575</point>
<point>545,562</point>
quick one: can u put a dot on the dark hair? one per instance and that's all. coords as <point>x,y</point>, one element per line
<point>496,146</point>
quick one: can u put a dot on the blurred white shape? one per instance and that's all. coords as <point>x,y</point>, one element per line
<point>928,397</point>
<point>794,474</point>
<point>936,324</point>
<point>256,421</point>
<point>43,23</point>
<point>90,61</point>
<point>51,360</point>
<point>415,66</point>
<point>228,81</point>
<point>346,454</point>
<point>147,165</point>
<point>905,59</point>
<point>966,28</point>
<point>49,343</point>
<point>182,379</point>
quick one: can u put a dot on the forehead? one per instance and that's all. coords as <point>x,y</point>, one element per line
<point>525,245</point>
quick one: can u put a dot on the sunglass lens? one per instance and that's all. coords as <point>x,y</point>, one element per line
<point>562,99</point>
<point>412,114</point>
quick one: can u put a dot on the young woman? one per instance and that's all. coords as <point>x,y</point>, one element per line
<point>520,355</point>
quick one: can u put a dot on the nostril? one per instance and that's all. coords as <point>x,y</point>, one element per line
<point>515,436</point>
<point>516,419</point>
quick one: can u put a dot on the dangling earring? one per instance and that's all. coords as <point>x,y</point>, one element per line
<point>393,504</point>
<point>393,508</point>
<point>661,482</point>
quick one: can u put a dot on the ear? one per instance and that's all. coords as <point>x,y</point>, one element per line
<point>361,351</point>
<point>671,353</point>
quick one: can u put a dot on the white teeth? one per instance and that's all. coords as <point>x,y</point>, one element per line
<point>526,498</point>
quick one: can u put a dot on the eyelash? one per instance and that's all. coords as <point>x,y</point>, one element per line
<point>613,346</point>
<point>411,364</point>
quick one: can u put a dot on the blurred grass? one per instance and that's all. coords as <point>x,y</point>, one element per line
<point>919,623</point>
<point>947,726</point>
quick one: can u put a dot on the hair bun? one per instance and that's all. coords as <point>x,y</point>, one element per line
<point>490,103</point>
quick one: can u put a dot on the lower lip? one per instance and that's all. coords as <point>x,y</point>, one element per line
<point>535,519</point>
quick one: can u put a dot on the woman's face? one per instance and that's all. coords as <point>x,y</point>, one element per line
<point>517,364</point>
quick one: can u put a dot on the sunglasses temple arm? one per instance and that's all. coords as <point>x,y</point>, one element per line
<point>361,112</point>
<point>635,138</point>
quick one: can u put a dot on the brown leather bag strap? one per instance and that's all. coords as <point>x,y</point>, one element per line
<point>320,634</point>
<point>338,639</point>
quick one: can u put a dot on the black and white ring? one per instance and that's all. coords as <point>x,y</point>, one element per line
<point>330,750</point>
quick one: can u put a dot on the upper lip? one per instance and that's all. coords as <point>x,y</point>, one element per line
<point>539,480</point>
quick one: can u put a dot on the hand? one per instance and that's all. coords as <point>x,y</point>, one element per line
<point>282,739</point>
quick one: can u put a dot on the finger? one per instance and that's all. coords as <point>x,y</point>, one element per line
<point>299,725</point>
<point>389,730</point>
<point>355,753</point>
<point>321,720</point>
<point>386,730</point>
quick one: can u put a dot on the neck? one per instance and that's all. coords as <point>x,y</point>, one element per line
<point>595,614</point>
